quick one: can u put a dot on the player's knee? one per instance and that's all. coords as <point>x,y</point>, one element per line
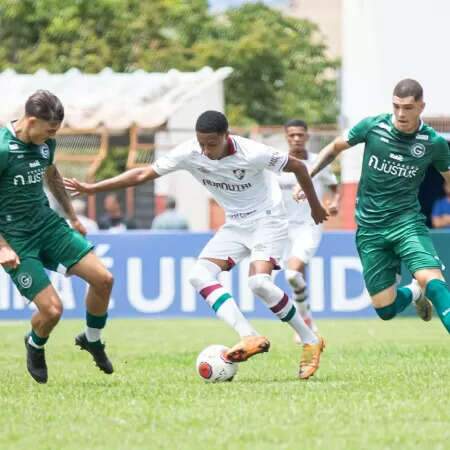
<point>53,312</point>
<point>291,277</point>
<point>108,280</point>
<point>260,284</point>
<point>203,273</point>
<point>104,282</point>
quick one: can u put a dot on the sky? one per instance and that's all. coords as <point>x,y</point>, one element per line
<point>220,5</point>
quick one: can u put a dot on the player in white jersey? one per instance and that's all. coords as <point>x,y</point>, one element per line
<point>304,234</point>
<point>239,173</point>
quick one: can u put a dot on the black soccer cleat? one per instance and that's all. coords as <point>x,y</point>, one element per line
<point>36,364</point>
<point>97,350</point>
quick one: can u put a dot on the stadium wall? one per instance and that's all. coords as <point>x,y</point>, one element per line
<point>381,45</point>
<point>151,280</point>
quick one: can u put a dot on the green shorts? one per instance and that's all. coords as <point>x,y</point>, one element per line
<point>381,251</point>
<point>56,248</point>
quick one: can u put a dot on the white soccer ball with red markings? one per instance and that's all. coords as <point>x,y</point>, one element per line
<point>212,365</point>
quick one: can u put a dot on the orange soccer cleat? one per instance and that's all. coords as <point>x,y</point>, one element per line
<point>248,347</point>
<point>309,363</point>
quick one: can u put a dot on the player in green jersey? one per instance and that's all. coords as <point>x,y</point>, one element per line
<point>399,148</point>
<point>33,237</point>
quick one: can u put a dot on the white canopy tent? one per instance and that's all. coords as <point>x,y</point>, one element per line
<point>121,101</point>
<point>114,100</point>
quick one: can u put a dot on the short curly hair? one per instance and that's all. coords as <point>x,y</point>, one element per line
<point>212,122</point>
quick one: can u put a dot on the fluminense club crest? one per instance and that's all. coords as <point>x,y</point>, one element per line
<point>239,173</point>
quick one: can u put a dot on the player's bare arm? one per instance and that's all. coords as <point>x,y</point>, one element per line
<point>333,203</point>
<point>326,156</point>
<point>329,153</point>
<point>8,257</point>
<point>132,177</point>
<point>55,183</point>
<point>299,169</point>
<point>446,176</point>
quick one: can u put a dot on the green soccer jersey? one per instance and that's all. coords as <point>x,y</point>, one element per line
<point>24,206</point>
<point>394,165</point>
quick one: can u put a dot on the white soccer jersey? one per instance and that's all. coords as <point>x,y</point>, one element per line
<point>299,213</point>
<point>240,182</point>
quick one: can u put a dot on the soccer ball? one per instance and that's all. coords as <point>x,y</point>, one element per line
<point>212,365</point>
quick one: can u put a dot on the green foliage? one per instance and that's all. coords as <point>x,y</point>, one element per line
<point>280,67</point>
<point>114,164</point>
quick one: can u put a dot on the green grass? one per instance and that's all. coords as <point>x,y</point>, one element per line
<point>380,386</point>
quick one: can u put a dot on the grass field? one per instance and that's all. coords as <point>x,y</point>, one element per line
<point>380,386</point>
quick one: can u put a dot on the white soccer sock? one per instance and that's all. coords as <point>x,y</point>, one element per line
<point>295,278</point>
<point>226,308</point>
<point>93,334</point>
<point>230,314</point>
<point>280,304</point>
<point>415,289</point>
<point>298,284</point>
<point>204,279</point>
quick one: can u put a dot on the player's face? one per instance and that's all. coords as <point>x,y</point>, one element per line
<point>40,130</point>
<point>407,113</point>
<point>213,145</point>
<point>296,138</point>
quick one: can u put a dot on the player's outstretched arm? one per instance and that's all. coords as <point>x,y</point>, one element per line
<point>329,153</point>
<point>55,183</point>
<point>294,165</point>
<point>333,203</point>
<point>131,177</point>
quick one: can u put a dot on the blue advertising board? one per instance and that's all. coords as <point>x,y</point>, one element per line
<point>151,279</point>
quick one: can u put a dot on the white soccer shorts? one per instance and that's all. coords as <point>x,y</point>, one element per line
<point>303,241</point>
<point>263,240</point>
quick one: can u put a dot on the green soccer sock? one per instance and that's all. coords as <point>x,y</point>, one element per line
<point>94,326</point>
<point>36,341</point>
<point>402,300</point>
<point>438,293</point>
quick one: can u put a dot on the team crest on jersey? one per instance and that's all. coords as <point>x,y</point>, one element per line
<point>239,173</point>
<point>418,150</point>
<point>45,151</point>
<point>25,280</point>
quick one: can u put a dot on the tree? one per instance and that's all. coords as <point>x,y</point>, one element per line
<point>280,67</point>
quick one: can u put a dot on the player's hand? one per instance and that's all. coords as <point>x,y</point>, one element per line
<point>77,188</point>
<point>332,208</point>
<point>77,225</point>
<point>8,257</point>
<point>319,214</point>
<point>298,195</point>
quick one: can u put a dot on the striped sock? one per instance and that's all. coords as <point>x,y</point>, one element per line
<point>226,308</point>
<point>286,311</point>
